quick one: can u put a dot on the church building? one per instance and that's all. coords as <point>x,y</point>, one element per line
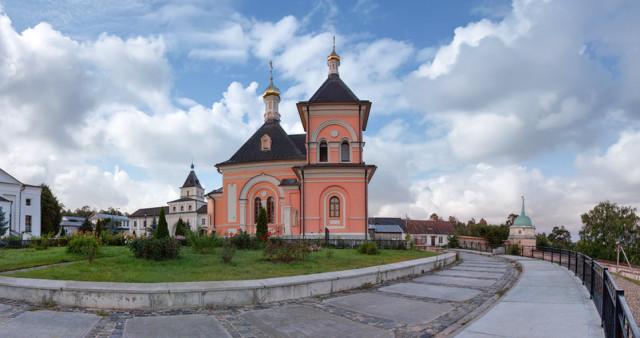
<point>306,182</point>
<point>522,232</point>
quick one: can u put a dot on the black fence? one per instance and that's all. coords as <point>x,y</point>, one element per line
<point>616,317</point>
<point>26,243</point>
<point>340,243</point>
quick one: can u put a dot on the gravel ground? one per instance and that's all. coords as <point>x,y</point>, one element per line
<point>631,295</point>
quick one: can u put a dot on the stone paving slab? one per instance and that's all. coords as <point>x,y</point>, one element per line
<point>196,325</point>
<point>432,291</point>
<point>509,319</point>
<point>392,308</point>
<point>544,294</point>
<point>305,321</point>
<point>546,281</point>
<point>458,281</point>
<point>4,307</point>
<point>472,274</point>
<point>44,323</point>
<point>481,269</point>
<point>482,265</point>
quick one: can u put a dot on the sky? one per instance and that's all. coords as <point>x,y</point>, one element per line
<point>475,103</point>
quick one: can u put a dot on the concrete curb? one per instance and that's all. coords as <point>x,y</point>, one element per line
<point>167,296</point>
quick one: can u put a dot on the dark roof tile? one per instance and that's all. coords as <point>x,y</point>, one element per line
<point>282,146</point>
<point>333,90</point>
<point>429,227</point>
<point>192,181</point>
<point>150,212</point>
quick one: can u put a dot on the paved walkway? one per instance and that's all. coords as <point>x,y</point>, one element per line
<point>548,301</point>
<point>439,303</point>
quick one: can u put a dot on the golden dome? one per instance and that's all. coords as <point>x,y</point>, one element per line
<point>271,90</point>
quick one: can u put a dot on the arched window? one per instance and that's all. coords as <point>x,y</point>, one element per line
<point>270,210</point>
<point>257,203</point>
<point>182,208</point>
<point>334,207</point>
<point>344,151</point>
<point>324,152</point>
<point>189,207</point>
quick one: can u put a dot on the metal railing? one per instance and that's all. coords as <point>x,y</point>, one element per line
<point>615,314</point>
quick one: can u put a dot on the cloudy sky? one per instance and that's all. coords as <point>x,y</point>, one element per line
<point>475,103</point>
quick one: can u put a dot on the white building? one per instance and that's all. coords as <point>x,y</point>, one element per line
<point>190,207</point>
<point>21,204</point>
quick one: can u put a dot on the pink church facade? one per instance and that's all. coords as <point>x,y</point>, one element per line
<point>306,182</point>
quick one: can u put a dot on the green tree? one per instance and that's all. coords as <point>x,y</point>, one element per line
<point>163,228</point>
<point>435,217</point>
<point>454,241</point>
<point>542,241</point>
<point>261,227</point>
<point>99,226</point>
<point>50,211</point>
<point>86,226</point>
<point>4,226</point>
<point>604,225</point>
<point>560,236</point>
<point>180,228</point>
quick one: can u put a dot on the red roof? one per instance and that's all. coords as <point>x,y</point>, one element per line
<point>417,227</point>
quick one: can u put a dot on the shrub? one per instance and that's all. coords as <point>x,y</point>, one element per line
<point>157,249</point>
<point>113,240</point>
<point>368,248</point>
<point>85,245</point>
<point>99,227</point>
<point>514,249</point>
<point>203,243</point>
<point>454,241</point>
<point>286,252</point>
<point>328,252</point>
<point>228,250</point>
<point>243,240</point>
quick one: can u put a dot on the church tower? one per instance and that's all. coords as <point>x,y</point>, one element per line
<point>271,97</point>
<point>335,177</point>
<point>522,232</point>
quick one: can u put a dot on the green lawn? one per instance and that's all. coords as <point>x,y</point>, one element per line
<point>247,264</point>
<point>14,259</point>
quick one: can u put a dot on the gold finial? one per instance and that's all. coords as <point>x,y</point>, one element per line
<point>334,55</point>
<point>271,90</point>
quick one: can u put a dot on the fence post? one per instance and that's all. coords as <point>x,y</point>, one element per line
<point>604,295</point>
<point>532,248</point>
<point>569,260</point>
<point>583,264</point>
<point>576,266</point>
<point>591,285</point>
<point>617,328</point>
<point>551,256</point>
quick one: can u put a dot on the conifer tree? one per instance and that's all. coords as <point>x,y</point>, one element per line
<point>261,228</point>
<point>86,226</point>
<point>4,226</point>
<point>163,228</point>
<point>180,228</point>
<point>98,228</point>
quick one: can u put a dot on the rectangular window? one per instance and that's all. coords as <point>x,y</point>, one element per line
<point>27,223</point>
<point>135,224</point>
<point>28,201</point>
<point>440,239</point>
<point>144,223</point>
<point>204,221</point>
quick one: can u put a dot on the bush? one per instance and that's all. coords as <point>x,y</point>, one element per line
<point>286,252</point>
<point>228,250</point>
<point>113,240</point>
<point>454,241</point>
<point>157,249</point>
<point>368,248</point>
<point>203,243</point>
<point>85,245</point>
<point>329,252</point>
<point>243,240</point>
<point>514,250</point>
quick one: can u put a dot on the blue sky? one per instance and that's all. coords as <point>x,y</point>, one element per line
<point>475,103</point>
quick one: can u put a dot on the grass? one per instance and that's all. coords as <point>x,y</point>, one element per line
<point>14,259</point>
<point>247,264</point>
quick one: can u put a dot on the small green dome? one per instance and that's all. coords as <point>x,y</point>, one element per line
<point>522,220</point>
